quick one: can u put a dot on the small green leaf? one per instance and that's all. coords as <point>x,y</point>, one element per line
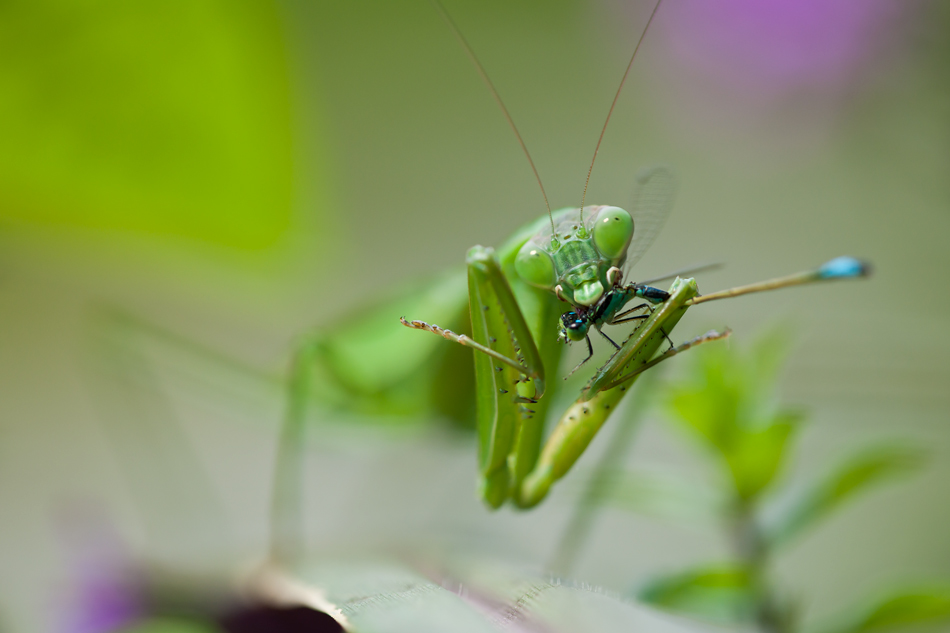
<point>709,405</point>
<point>728,404</point>
<point>757,455</point>
<point>721,593</point>
<point>857,474</point>
<point>927,605</point>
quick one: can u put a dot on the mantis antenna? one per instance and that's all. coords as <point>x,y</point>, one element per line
<point>481,71</point>
<point>614,103</point>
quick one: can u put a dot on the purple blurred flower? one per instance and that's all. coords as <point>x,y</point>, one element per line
<point>782,44</point>
<point>105,593</point>
<point>105,600</point>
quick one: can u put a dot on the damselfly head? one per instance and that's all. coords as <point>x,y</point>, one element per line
<point>574,327</point>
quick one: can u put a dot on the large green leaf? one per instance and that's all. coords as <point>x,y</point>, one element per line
<point>170,118</point>
<point>395,596</point>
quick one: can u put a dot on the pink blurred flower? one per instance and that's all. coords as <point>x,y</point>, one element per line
<point>782,44</point>
<point>104,592</point>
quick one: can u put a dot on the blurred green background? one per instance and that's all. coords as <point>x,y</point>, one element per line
<point>186,188</point>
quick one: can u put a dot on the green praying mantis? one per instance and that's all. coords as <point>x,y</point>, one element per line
<point>516,296</point>
<point>513,316</point>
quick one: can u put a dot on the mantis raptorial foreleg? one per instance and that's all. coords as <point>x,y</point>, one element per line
<point>503,412</point>
<point>509,376</point>
<point>467,341</point>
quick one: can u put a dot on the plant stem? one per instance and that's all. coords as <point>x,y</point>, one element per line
<point>753,552</point>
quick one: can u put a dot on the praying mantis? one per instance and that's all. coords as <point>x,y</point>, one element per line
<point>512,322</point>
<point>552,282</point>
<point>516,296</point>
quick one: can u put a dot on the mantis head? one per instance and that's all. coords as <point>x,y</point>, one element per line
<point>575,259</point>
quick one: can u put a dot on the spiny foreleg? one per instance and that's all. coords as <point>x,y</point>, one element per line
<point>467,341</point>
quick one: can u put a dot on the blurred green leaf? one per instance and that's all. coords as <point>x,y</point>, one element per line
<point>927,605</point>
<point>721,593</point>
<point>758,454</point>
<point>728,405</point>
<point>710,404</point>
<point>860,472</point>
<point>172,118</point>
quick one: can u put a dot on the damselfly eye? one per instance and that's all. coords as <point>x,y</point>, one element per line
<point>572,322</point>
<point>613,231</point>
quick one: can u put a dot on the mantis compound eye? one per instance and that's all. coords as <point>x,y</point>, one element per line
<point>535,266</point>
<point>613,230</point>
